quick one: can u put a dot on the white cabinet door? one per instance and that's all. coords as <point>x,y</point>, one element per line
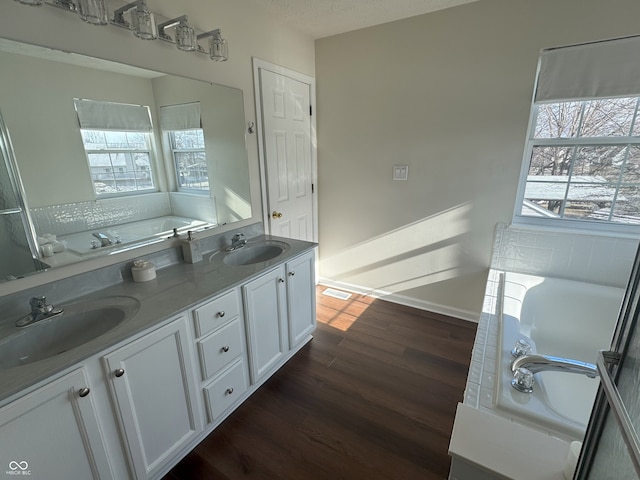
<point>301,298</point>
<point>266,317</point>
<point>54,432</point>
<point>152,382</point>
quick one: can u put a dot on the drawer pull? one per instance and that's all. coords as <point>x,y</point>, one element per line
<point>119,372</point>
<point>83,392</point>
<point>281,280</point>
<point>220,314</point>
<point>291,274</point>
<point>225,349</point>
<point>229,391</point>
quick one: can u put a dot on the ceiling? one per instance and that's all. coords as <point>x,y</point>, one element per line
<point>322,18</point>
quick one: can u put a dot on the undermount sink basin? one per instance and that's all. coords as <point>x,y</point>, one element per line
<point>255,253</point>
<point>78,324</point>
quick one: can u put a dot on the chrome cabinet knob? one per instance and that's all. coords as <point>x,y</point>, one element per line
<point>225,349</point>
<point>221,314</point>
<point>281,280</point>
<point>291,274</point>
<point>83,392</point>
<point>229,391</point>
<point>119,372</point>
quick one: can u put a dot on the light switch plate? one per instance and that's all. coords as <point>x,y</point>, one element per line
<point>400,172</point>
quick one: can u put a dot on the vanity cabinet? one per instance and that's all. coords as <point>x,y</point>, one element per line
<point>280,313</point>
<point>54,432</point>
<point>153,386</point>
<point>134,409</point>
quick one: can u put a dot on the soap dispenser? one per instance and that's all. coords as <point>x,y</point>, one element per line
<point>191,249</point>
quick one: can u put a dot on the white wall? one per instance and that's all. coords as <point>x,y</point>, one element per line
<point>249,30</point>
<point>447,93</point>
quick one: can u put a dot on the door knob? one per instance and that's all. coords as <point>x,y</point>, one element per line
<point>276,214</point>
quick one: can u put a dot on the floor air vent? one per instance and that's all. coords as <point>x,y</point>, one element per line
<point>331,292</point>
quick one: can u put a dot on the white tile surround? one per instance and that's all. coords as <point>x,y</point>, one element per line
<point>604,260</point>
<point>83,216</point>
<point>589,258</point>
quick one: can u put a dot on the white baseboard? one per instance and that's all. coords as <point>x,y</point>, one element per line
<point>404,300</point>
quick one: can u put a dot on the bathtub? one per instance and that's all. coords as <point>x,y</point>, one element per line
<point>131,234</point>
<point>557,317</point>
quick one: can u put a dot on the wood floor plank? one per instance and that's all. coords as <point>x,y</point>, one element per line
<point>372,396</point>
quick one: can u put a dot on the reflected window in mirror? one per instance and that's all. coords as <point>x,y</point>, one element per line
<point>190,160</point>
<point>120,162</point>
<point>117,140</point>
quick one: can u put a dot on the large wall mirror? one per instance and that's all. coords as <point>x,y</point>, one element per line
<point>111,156</point>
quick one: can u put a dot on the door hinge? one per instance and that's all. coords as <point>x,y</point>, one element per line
<point>310,110</point>
<point>312,188</point>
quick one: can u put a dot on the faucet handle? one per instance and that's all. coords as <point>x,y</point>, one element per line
<point>38,303</point>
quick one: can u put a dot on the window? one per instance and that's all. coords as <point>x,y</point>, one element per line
<point>190,159</point>
<point>120,162</point>
<point>183,125</point>
<point>584,161</point>
<point>581,167</point>
<point>117,141</point>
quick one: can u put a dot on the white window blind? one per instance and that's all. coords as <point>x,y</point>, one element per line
<point>95,115</point>
<point>185,116</point>
<point>603,69</point>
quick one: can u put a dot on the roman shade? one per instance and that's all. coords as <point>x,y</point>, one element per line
<point>96,115</point>
<point>602,69</point>
<point>185,116</point>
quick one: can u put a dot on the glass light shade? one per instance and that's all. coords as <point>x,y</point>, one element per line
<point>218,50</point>
<point>31,2</point>
<point>143,24</point>
<point>93,11</point>
<point>186,38</point>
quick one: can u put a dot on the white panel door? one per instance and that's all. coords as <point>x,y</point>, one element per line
<point>286,123</point>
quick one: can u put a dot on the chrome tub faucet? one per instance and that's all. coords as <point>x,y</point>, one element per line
<point>525,366</point>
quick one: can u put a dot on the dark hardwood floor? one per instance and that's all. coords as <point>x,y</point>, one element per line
<point>372,396</point>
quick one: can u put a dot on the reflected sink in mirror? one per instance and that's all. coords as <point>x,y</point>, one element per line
<point>253,253</point>
<point>80,323</point>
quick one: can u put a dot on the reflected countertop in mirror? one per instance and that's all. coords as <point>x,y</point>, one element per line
<point>75,199</point>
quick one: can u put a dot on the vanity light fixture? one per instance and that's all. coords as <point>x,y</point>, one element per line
<point>143,23</point>
<point>218,49</point>
<point>185,34</point>
<point>93,11</point>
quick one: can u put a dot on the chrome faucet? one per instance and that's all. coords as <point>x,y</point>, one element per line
<point>105,241</point>
<point>526,366</point>
<point>39,311</point>
<point>238,241</point>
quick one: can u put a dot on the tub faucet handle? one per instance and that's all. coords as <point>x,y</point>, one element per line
<point>522,347</point>
<point>523,380</point>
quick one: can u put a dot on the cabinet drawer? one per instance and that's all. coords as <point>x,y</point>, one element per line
<point>210,316</point>
<point>219,348</point>
<point>226,389</point>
